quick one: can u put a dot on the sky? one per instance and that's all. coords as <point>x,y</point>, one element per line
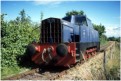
<point>106,13</point>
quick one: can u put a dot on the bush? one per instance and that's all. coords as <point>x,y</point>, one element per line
<point>15,35</point>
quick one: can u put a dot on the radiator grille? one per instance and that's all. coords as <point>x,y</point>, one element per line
<point>51,31</point>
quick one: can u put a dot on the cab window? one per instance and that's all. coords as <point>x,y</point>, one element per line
<point>80,20</point>
<point>67,18</point>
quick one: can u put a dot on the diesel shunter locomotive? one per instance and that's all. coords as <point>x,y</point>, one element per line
<point>64,41</point>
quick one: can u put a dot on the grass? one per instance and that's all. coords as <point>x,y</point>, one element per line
<point>113,65</point>
<point>103,41</point>
<point>93,69</point>
<point>10,71</point>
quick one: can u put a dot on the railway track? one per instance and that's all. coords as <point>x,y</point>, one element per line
<point>48,73</point>
<point>104,47</point>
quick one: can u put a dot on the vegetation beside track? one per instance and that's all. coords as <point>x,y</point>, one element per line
<point>15,35</point>
<point>113,64</point>
<point>96,69</point>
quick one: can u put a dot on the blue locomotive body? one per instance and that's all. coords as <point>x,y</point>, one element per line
<point>65,41</point>
<point>79,29</point>
<point>72,29</point>
<point>84,29</point>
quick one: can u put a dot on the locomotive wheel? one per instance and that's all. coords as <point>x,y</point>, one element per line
<point>61,50</point>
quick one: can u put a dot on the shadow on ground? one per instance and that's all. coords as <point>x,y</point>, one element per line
<point>25,61</point>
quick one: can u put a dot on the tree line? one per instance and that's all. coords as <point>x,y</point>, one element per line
<point>114,39</point>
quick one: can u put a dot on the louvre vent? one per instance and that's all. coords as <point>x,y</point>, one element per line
<point>51,31</point>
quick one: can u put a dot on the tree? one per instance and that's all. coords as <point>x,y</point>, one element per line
<point>114,39</point>
<point>3,25</point>
<point>23,15</point>
<point>41,16</point>
<point>74,12</point>
<point>100,28</point>
<point>18,20</point>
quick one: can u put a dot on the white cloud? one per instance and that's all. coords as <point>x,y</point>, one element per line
<point>47,2</point>
<point>112,31</point>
